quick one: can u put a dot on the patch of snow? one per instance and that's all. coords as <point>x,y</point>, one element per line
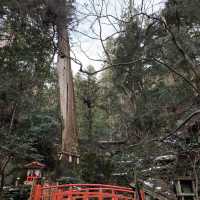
<point>148,184</point>
<point>158,188</point>
<point>165,157</point>
<point>126,161</point>
<point>120,174</point>
<point>147,170</point>
<point>157,167</point>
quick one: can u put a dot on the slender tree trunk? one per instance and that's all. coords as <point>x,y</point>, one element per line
<point>90,123</point>
<point>196,178</point>
<point>2,183</point>
<point>5,162</point>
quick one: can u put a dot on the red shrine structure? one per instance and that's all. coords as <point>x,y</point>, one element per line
<point>34,171</point>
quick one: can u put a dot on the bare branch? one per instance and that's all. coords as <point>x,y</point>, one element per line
<point>177,73</point>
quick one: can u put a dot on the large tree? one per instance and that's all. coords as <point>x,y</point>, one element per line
<point>27,82</point>
<point>67,101</point>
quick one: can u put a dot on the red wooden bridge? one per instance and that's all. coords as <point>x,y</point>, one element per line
<point>81,192</point>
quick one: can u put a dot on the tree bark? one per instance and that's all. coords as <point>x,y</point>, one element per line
<point>67,99</point>
<point>2,183</point>
<point>2,173</point>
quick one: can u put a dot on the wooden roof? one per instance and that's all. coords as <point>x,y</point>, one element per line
<point>35,165</point>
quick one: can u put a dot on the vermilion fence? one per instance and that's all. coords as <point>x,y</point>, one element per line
<point>82,192</point>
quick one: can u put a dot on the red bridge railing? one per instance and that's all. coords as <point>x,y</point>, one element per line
<point>82,192</point>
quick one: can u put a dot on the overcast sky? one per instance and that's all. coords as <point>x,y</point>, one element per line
<point>84,47</point>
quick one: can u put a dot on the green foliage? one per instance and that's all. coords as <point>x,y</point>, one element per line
<point>96,168</point>
<point>17,193</point>
<point>155,77</point>
<point>135,103</point>
<point>90,114</point>
<point>28,92</point>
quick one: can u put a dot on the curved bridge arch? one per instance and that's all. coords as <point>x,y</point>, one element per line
<point>82,192</point>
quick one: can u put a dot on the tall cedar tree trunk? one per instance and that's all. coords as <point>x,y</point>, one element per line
<point>66,87</point>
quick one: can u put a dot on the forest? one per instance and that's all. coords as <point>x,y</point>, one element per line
<point>134,109</point>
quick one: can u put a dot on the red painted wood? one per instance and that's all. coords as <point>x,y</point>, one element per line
<point>37,192</point>
<point>82,192</point>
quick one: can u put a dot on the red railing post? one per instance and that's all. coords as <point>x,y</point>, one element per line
<point>85,196</point>
<point>100,194</point>
<point>142,194</point>
<point>70,195</point>
<point>37,192</point>
<point>54,196</point>
<point>114,197</point>
<point>57,196</point>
